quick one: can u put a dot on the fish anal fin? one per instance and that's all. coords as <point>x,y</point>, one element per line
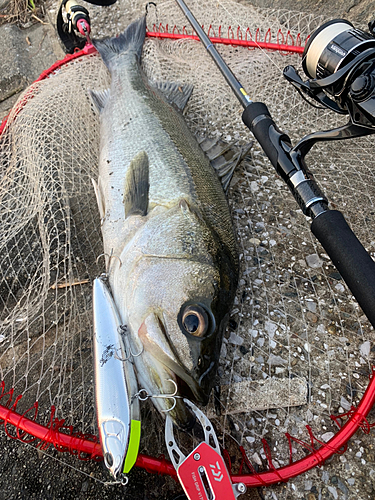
<point>99,98</point>
<point>176,94</point>
<point>99,197</point>
<point>137,185</point>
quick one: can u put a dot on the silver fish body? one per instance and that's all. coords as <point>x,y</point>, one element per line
<point>114,381</point>
<point>166,221</point>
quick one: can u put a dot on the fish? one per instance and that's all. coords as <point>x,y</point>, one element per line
<point>172,258</point>
<point>117,411</point>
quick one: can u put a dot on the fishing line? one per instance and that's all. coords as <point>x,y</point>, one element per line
<point>65,464</point>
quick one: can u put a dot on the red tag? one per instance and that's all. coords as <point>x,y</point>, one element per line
<point>204,475</point>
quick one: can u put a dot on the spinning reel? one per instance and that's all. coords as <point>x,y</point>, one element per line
<point>340,63</point>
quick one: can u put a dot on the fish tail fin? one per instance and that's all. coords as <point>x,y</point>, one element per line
<point>130,41</point>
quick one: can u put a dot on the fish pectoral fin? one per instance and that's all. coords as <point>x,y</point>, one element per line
<point>224,157</point>
<point>176,94</point>
<point>137,185</point>
<point>99,98</point>
<point>99,198</point>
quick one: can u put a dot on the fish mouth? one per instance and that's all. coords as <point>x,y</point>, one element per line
<point>154,337</point>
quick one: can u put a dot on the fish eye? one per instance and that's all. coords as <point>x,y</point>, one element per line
<point>194,320</point>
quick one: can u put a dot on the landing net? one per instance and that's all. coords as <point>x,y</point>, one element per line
<point>298,348</point>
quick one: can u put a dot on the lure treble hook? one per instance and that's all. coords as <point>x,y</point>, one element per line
<point>123,330</point>
<point>173,395</point>
<point>110,257</point>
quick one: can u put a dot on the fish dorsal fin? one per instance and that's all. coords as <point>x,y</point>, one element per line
<point>176,94</point>
<point>99,98</point>
<point>224,157</point>
<point>137,186</point>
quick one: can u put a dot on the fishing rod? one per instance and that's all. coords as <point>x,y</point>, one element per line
<point>329,226</point>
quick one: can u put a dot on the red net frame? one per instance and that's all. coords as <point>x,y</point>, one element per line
<point>241,39</point>
<point>238,37</point>
<point>87,447</point>
<point>55,433</point>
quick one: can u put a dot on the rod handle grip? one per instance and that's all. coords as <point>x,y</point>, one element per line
<point>349,256</point>
<point>258,120</point>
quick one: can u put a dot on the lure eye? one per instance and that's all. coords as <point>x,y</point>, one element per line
<point>195,320</point>
<point>108,459</point>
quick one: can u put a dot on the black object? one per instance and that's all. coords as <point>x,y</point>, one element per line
<point>69,39</point>
<point>67,31</point>
<point>289,163</point>
<point>340,62</point>
<point>350,258</point>
<point>347,253</point>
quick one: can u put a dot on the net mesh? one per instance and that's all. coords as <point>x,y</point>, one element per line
<point>298,347</point>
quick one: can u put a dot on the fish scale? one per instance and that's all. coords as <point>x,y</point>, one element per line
<point>178,167</point>
<point>169,174</point>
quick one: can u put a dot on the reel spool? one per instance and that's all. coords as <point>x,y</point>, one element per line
<point>332,46</point>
